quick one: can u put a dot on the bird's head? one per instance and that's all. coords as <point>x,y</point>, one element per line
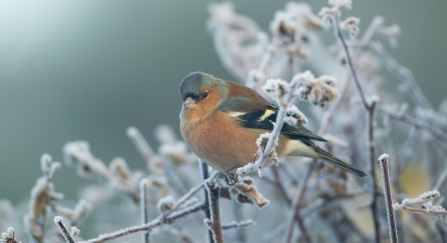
<point>199,88</point>
<point>201,94</point>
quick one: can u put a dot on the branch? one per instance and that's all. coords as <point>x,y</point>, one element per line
<point>68,238</point>
<point>146,227</point>
<point>295,216</point>
<point>436,132</point>
<point>214,221</point>
<point>369,107</point>
<point>383,161</point>
<point>240,224</point>
<point>144,208</point>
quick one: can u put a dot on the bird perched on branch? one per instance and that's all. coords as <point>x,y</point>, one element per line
<point>221,121</point>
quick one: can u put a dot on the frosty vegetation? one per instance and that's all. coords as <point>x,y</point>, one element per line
<point>336,89</point>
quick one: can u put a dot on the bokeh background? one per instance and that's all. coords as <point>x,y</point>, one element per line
<point>87,70</point>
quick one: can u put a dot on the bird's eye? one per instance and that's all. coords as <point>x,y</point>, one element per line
<point>205,94</point>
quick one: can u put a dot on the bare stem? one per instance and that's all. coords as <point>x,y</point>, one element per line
<point>383,161</point>
<point>294,216</point>
<point>214,222</point>
<point>58,221</point>
<point>144,208</point>
<point>240,224</point>
<point>442,178</point>
<point>369,107</point>
<point>206,209</point>
<point>146,227</point>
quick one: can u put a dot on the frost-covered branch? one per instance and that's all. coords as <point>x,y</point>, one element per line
<point>333,15</point>
<point>383,161</point>
<point>214,222</point>
<point>9,236</point>
<point>240,224</point>
<point>67,236</point>
<point>422,204</point>
<point>295,216</point>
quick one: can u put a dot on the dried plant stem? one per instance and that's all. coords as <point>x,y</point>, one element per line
<point>146,227</point>
<point>442,178</point>
<point>140,143</point>
<point>58,221</point>
<point>403,73</point>
<point>383,160</point>
<point>214,221</point>
<point>240,224</point>
<point>144,208</point>
<point>436,132</point>
<point>205,175</point>
<point>283,103</point>
<point>295,216</point>
<point>369,107</point>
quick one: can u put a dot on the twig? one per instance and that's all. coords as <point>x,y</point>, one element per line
<point>294,216</point>
<point>146,227</point>
<point>436,132</point>
<point>58,221</point>
<point>213,222</point>
<point>369,107</point>
<point>140,143</point>
<point>240,224</point>
<point>403,73</point>
<point>283,103</point>
<point>442,179</point>
<point>383,161</point>
<point>144,208</point>
<point>206,209</point>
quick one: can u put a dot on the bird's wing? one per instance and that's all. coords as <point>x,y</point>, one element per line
<point>263,116</point>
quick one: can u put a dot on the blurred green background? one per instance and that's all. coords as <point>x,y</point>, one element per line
<point>87,70</point>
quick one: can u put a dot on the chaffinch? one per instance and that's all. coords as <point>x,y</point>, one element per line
<point>221,121</point>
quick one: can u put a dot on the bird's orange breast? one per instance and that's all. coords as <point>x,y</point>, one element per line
<point>221,142</point>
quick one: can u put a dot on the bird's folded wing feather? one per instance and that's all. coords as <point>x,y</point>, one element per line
<point>263,116</point>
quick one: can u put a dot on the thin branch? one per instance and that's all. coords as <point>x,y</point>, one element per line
<point>144,208</point>
<point>263,153</point>
<point>140,143</point>
<point>369,107</point>
<point>240,224</point>
<point>403,73</point>
<point>58,220</point>
<point>206,209</point>
<point>294,216</point>
<point>442,179</point>
<point>214,221</point>
<point>146,227</point>
<point>434,131</point>
<point>383,161</point>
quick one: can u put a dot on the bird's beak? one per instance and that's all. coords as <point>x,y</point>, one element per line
<point>189,103</point>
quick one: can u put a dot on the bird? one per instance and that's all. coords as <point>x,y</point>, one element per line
<point>220,122</point>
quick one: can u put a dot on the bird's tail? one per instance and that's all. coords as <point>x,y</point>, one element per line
<point>336,162</point>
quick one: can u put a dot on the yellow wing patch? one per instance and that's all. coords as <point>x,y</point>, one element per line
<point>266,114</point>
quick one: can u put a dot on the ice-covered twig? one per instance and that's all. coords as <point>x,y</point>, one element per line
<point>284,96</point>
<point>146,227</point>
<point>434,131</point>
<point>442,178</point>
<point>403,73</point>
<point>240,224</point>
<point>334,17</point>
<point>422,204</point>
<point>144,207</point>
<point>296,203</point>
<point>214,223</point>
<point>58,220</point>
<point>140,143</point>
<point>9,236</point>
<point>383,161</point>
<point>79,152</point>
